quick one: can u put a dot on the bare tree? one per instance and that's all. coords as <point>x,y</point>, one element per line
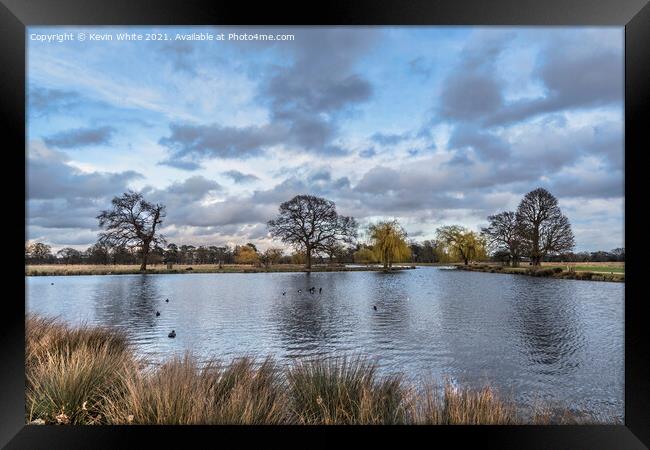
<point>308,222</point>
<point>271,256</point>
<point>542,226</point>
<point>132,223</point>
<point>98,254</point>
<point>333,249</point>
<point>502,235</point>
<point>38,253</point>
<point>69,255</point>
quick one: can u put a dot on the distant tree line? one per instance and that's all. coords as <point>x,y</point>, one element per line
<point>615,255</point>
<point>317,233</point>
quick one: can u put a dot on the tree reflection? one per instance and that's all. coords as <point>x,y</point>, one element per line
<point>127,302</point>
<point>548,325</point>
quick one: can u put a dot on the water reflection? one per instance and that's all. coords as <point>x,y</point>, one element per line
<point>310,324</point>
<point>133,302</point>
<point>548,325</point>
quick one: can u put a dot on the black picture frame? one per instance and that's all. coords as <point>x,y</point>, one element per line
<point>634,15</point>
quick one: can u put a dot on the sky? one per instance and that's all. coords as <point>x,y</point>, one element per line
<point>430,126</point>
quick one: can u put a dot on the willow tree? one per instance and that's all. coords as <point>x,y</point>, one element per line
<point>131,223</point>
<point>364,255</point>
<point>310,224</point>
<point>462,243</point>
<point>246,254</point>
<point>389,242</point>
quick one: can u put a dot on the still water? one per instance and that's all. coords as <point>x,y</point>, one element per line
<point>534,339</point>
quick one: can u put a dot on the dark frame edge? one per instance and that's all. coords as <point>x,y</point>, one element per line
<point>637,99</point>
<point>633,434</point>
<point>12,112</point>
<point>330,12</point>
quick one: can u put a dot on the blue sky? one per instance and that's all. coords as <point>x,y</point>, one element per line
<point>429,125</point>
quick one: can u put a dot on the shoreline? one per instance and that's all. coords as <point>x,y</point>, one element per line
<point>546,272</point>
<point>78,270</point>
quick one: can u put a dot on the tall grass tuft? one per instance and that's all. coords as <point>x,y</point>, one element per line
<point>344,391</point>
<point>173,394</point>
<point>243,393</point>
<point>464,406</point>
<point>182,393</point>
<point>70,373</point>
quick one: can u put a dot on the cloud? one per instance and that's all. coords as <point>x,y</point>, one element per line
<point>320,175</point>
<point>389,139</point>
<point>487,146</point>
<point>80,137</point>
<point>470,96</point>
<point>573,72</point>
<point>368,153</point>
<point>576,74</point>
<point>216,141</point>
<point>304,99</point>
<point>420,67</point>
<point>50,176</point>
<point>180,164</point>
<point>61,214</point>
<point>43,101</point>
<point>62,237</point>
<point>195,187</point>
<point>240,177</point>
<point>63,201</point>
<point>590,178</point>
<point>179,53</point>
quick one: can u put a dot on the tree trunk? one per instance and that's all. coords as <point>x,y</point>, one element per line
<point>308,258</point>
<point>145,256</point>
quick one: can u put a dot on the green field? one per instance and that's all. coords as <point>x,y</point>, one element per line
<point>591,268</point>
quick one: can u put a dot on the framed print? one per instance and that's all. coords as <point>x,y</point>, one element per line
<point>374,218</point>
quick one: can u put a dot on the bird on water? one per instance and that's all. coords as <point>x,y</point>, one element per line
<point>167,300</point>
<point>172,334</point>
<point>284,293</point>
<point>374,307</point>
<point>157,313</point>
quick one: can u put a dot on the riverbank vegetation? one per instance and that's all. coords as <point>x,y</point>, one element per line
<point>567,272</point>
<point>130,269</point>
<point>90,375</point>
<point>316,234</point>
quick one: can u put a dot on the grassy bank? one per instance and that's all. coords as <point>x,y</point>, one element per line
<point>596,267</point>
<point>550,271</point>
<point>89,375</point>
<point>126,269</point>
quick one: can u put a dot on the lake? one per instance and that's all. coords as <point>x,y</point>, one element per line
<point>534,339</point>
